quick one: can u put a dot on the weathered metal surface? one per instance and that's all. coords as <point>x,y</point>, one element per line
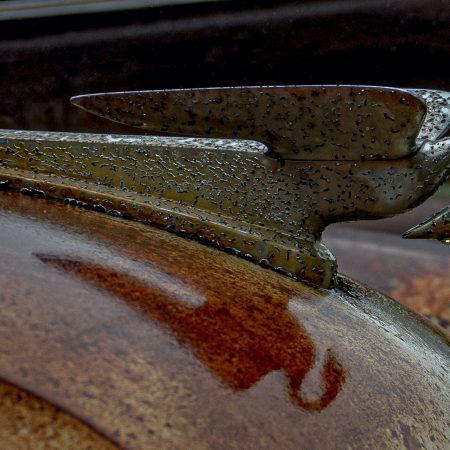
<point>436,227</point>
<point>294,122</point>
<point>158,342</point>
<point>232,193</point>
<point>28,422</point>
<point>437,119</point>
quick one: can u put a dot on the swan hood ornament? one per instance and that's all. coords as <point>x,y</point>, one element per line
<point>256,171</point>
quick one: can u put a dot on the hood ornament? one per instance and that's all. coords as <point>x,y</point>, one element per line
<point>268,169</point>
<point>436,227</point>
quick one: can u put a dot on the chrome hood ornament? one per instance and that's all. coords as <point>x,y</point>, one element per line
<point>268,169</point>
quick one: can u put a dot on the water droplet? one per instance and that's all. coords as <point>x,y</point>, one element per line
<point>98,208</point>
<point>32,192</point>
<point>4,184</point>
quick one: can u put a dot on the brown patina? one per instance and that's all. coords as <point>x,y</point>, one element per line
<point>155,341</point>
<point>240,342</point>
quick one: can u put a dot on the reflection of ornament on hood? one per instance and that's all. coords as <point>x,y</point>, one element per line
<point>436,227</point>
<point>268,169</point>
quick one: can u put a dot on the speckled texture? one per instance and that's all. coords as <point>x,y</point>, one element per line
<point>295,122</point>
<point>233,194</point>
<point>437,119</point>
<point>28,422</point>
<point>436,227</point>
<point>92,314</point>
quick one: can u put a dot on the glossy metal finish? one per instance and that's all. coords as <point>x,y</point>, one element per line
<point>436,227</point>
<point>158,342</point>
<point>233,194</point>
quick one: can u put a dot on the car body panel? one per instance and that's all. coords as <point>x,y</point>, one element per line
<point>159,342</point>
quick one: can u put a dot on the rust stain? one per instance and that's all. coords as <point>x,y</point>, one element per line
<point>240,342</point>
<point>128,369</point>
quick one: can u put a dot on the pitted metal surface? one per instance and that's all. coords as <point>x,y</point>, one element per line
<point>295,122</point>
<point>437,118</point>
<point>233,193</point>
<point>436,227</point>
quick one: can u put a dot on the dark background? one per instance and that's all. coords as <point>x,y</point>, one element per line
<point>46,60</point>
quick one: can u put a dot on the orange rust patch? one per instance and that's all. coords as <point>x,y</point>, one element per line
<point>240,342</point>
<point>113,365</point>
